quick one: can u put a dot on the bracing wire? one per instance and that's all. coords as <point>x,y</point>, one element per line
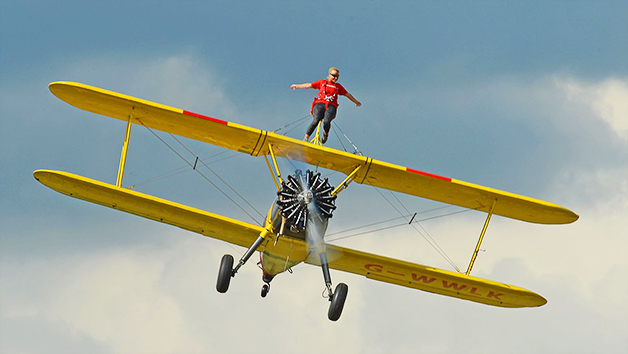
<point>439,249</point>
<point>424,233</point>
<point>391,220</point>
<point>335,126</point>
<point>298,121</point>
<point>387,227</point>
<point>185,168</point>
<point>220,178</point>
<point>430,240</point>
<point>355,148</point>
<point>205,177</point>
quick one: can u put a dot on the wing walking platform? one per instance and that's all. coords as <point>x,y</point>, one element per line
<point>361,169</point>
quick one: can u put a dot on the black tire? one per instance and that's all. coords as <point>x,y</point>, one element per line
<point>338,302</point>
<point>224,274</point>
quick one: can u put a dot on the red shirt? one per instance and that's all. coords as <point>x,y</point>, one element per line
<point>328,92</point>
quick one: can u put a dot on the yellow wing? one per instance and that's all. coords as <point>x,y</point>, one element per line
<point>185,217</point>
<point>372,266</point>
<point>258,142</point>
<point>430,279</point>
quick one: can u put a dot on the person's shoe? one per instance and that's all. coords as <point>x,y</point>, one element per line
<point>324,138</point>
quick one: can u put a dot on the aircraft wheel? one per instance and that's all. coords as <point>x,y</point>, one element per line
<point>265,290</point>
<point>338,302</point>
<point>225,273</point>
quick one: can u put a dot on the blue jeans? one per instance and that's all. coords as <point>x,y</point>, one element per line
<point>319,112</point>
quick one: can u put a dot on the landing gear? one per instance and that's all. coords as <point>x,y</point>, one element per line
<point>337,302</point>
<point>265,290</point>
<point>337,298</point>
<point>225,273</point>
<point>266,278</point>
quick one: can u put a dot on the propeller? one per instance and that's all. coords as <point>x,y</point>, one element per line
<point>306,202</point>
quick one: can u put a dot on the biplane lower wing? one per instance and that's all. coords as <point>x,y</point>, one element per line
<point>258,142</point>
<point>185,217</point>
<point>243,234</point>
<point>432,280</point>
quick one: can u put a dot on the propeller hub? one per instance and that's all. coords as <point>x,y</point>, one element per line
<point>305,197</point>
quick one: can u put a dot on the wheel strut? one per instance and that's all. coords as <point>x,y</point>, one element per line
<point>249,253</point>
<point>326,274</point>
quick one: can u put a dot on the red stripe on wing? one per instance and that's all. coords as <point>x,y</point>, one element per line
<point>428,174</point>
<point>205,117</point>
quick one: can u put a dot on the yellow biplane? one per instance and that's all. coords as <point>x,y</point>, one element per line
<point>296,222</point>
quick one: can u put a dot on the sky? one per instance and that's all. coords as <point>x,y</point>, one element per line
<point>529,97</point>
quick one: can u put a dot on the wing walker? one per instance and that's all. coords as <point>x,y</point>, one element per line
<point>295,225</point>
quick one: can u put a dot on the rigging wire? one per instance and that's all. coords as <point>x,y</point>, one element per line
<point>205,177</point>
<point>430,240</point>
<point>183,169</point>
<point>220,178</point>
<point>439,249</point>
<point>300,121</point>
<point>356,151</point>
<point>334,126</point>
<point>393,219</point>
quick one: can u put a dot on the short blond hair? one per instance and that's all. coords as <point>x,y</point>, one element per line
<point>333,68</point>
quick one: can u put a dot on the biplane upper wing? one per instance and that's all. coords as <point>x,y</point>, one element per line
<point>243,234</point>
<point>258,142</point>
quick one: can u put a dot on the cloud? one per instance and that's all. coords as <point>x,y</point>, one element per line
<point>187,81</point>
<point>148,299</point>
<point>184,80</point>
<point>109,297</point>
<point>608,99</point>
<point>160,297</point>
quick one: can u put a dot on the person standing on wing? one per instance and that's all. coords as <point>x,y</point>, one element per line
<point>326,103</point>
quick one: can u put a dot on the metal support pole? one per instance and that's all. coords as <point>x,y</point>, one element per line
<point>346,182</point>
<point>326,274</point>
<point>272,155</point>
<point>271,172</point>
<point>317,138</point>
<point>477,248</point>
<point>249,252</point>
<point>125,149</point>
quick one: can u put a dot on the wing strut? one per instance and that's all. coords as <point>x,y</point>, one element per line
<point>272,155</point>
<point>346,182</point>
<point>125,149</point>
<point>477,247</point>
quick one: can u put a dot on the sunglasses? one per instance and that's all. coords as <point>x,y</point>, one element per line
<point>335,75</point>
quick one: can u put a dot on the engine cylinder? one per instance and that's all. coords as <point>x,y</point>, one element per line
<point>302,194</point>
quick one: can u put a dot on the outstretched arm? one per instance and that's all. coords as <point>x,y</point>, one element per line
<point>350,96</point>
<point>307,85</point>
